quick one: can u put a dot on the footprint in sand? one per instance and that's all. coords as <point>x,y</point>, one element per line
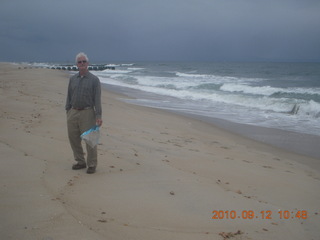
<point>226,186</point>
<point>268,167</point>
<point>224,147</point>
<point>247,161</point>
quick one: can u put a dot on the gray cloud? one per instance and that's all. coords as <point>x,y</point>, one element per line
<point>190,30</point>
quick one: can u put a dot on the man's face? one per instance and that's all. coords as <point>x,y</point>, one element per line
<point>82,63</point>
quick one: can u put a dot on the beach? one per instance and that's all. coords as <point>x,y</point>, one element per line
<point>160,175</point>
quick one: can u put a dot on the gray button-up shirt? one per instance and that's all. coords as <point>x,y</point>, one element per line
<point>84,91</point>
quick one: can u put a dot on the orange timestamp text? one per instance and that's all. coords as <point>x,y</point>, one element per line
<point>268,214</point>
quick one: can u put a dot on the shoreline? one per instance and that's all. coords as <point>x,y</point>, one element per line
<point>294,142</point>
<point>299,143</point>
<point>160,175</point>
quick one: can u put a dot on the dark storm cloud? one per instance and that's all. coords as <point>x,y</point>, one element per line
<point>193,30</point>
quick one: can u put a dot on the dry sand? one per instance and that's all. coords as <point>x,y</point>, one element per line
<point>159,175</point>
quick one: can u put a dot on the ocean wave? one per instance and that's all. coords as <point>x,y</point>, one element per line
<point>113,65</point>
<point>296,95</point>
<point>210,78</point>
<point>310,108</point>
<point>245,94</point>
<point>207,86</point>
<point>41,65</point>
<point>235,87</point>
<point>135,69</point>
<point>262,103</point>
<point>110,71</point>
<point>269,91</point>
<point>190,75</point>
<point>168,86</point>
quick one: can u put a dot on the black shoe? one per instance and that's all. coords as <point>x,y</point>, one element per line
<point>91,170</point>
<point>78,166</point>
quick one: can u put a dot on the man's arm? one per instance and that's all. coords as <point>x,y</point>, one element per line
<point>68,101</point>
<point>97,102</point>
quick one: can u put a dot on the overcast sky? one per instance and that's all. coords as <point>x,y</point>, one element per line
<point>160,30</point>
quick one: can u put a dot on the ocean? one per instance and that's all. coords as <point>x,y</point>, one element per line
<point>275,95</point>
<point>278,96</point>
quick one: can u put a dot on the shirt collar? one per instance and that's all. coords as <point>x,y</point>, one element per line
<point>86,75</point>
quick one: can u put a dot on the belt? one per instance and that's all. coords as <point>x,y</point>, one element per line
<point>80,109</point>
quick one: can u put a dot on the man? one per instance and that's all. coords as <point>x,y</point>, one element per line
<point>84,111</point>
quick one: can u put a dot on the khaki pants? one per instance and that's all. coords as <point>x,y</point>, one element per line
<point>79,121</point>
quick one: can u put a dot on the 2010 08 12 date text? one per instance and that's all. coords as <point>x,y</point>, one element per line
<point>268,214</point>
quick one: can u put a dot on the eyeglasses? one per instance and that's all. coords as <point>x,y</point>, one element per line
<point>83,61</point>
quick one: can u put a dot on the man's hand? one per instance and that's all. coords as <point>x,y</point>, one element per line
<point>99,122</point>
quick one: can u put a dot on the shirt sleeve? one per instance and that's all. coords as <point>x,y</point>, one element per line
<point>68,101</point>
<point>97,99</point>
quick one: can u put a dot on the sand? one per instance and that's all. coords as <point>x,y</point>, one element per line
<point>159,175</point>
